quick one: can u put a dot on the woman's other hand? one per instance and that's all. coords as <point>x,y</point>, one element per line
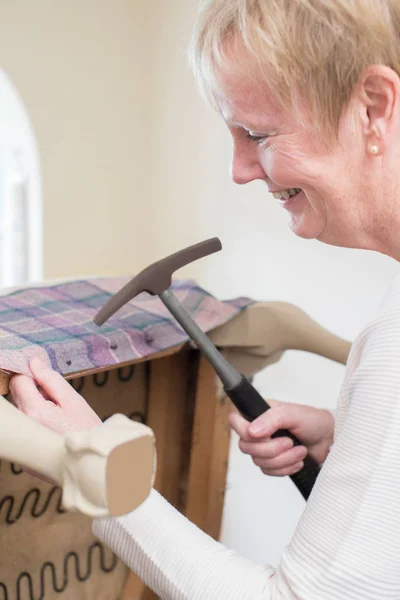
<point>49,399</point>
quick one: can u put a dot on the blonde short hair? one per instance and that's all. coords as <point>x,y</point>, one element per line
<point>319,48</point>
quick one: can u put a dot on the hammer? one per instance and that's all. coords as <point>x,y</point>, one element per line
<point>156,280</point>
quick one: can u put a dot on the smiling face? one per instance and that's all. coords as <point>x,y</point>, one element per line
<point>341,193</point>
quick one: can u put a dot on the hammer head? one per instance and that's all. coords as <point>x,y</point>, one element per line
<point>156,278</point>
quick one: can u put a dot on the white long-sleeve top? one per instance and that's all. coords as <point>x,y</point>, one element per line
<point>347,543</point>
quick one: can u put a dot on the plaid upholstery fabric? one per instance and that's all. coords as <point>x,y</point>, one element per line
<point>56,324</point>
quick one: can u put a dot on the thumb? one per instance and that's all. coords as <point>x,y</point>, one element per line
<point>24,393</point>
<point>279,416</point>
<point>258,427</point>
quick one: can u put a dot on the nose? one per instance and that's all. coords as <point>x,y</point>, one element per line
<point>245,166</point>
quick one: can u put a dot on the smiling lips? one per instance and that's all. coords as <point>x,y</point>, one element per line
<point>286,194</point>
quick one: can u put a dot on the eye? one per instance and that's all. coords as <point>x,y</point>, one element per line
<point>258,139</point>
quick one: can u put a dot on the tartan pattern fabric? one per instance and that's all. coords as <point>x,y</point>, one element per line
<point>55,323</point>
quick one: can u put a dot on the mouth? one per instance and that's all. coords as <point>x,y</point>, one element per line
<point>288,196</point>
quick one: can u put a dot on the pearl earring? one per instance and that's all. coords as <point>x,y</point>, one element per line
<point>374,149</point>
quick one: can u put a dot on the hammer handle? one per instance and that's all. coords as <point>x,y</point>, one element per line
<point>252,405</point>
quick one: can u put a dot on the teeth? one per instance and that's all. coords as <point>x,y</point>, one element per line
<point>286,194</point>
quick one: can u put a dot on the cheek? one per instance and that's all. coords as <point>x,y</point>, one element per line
<point>316,172</point>
<point>285,168</point>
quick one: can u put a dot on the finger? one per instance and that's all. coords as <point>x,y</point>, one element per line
<point>24,394</point>
<point>281,416</point>
<point>262,425</point>
<point>239,425</point>
<point>273,403</point>
<point>27,398</point>
<point>287,459</point>
<point>76,412</point>
<point>246,430</point>
<point>268,449</point>
<point>53,384</point>
<point>284,472</point>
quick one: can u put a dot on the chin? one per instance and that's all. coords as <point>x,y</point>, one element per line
<point>309,233</point>
<point>303,220</point>
<point>302,227</point>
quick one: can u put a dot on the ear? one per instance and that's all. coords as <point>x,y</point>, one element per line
<point>379,93</point>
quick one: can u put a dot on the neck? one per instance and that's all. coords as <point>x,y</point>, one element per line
<point>383,229</point>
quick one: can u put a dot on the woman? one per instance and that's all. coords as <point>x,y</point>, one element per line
<point>310,91</point>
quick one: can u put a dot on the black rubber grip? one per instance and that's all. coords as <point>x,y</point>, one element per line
<point>251,405</point>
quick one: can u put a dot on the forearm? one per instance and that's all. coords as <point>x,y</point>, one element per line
<point>180,562</point>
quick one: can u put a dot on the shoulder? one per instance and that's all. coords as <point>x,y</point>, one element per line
<point>375,354</point>
<point>385,327</point>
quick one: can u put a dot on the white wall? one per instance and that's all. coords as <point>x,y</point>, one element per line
<point>261,258</point>
<point>81,69</point>
<point>120,125</point>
